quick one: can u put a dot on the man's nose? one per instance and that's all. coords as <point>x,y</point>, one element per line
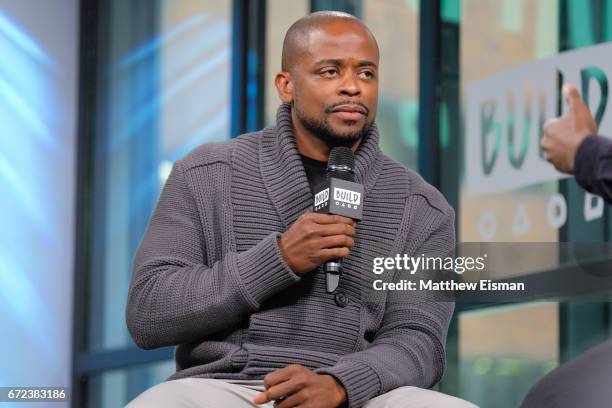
<point>349,85</point>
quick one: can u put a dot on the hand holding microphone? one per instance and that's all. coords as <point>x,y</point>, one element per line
<point>339,195</point>
<point>326,235</point>
<point>314,239</point>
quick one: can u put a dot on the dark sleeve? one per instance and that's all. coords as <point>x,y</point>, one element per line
<point>593,166</point>
<point>409,347</point>
<point>176,294</point>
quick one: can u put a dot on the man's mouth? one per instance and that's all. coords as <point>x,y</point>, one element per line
<point>350,112</point>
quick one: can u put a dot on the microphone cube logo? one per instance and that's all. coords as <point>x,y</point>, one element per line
<point>352,198</point>
<point>321,197</point>
<point>340,197</point>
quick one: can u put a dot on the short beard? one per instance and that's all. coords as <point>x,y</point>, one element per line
<point>322,131</point>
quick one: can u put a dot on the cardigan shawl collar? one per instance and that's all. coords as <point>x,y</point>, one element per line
<point>283,172</point>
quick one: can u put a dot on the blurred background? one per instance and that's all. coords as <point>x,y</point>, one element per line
<point>99,97</point>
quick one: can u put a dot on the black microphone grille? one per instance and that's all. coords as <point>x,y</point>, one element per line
<point>341,156</point>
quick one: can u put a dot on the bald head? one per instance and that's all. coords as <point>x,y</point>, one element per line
<point>296,39</point>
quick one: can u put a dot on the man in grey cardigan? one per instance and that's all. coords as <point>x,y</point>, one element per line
<point>229,270</point>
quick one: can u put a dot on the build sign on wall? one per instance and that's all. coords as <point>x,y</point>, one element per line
<point>505,115</point>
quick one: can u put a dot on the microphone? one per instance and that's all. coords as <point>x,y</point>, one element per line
<point>339,195</point>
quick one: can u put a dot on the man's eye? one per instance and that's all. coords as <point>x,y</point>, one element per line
<point>366,74</point>
<point>330,72</point>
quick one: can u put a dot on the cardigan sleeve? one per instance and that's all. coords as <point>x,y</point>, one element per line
<point>176,295</point>
<point>593,166</point>
<point>409,347</point>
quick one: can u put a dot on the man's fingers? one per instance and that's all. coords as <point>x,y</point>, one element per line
<point>292,401</point>
<point>335,241</point>
<point>554,127</point>
<point>573,98</point>
<point>331,219</point>
<point>261,398</point>
<point>276,379</point>
<point>278,376</point>
<point>336,229</point>
<point>549,125</point>
<point>545,143</point>
<point>547,157</point>
<point>333,253</point>
<point>276,392</point>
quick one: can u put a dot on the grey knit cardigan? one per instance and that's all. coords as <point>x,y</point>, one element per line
<point>209,277</point>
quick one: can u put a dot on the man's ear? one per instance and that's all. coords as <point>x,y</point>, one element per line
<point>284,86</point>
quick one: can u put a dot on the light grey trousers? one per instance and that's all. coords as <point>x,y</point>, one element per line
<point>210,393</point>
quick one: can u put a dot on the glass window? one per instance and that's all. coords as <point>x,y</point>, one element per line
<point>505,350</point>
<point>281,14</point>
<point>498,35</point>
<point>509,348</point>
<point>115,388</point>
<point>395,24</point>
<point>164,89</point>
<point>39,45</point>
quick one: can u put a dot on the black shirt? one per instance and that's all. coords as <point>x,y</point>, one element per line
<point>316,171</point>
